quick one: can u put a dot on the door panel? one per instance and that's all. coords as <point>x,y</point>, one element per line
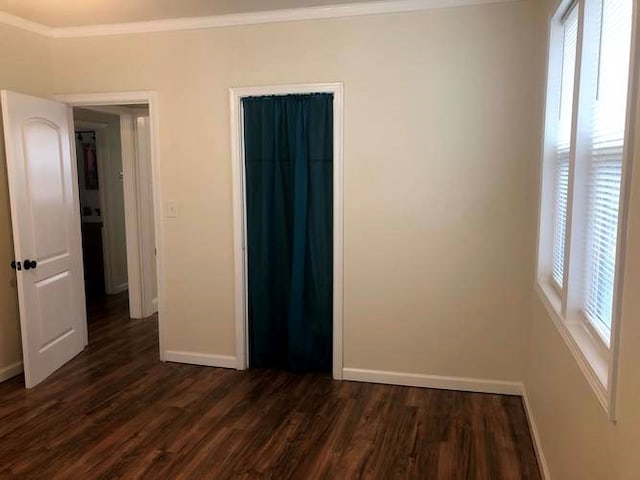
<point>53,322</point>
<point>46,229</point>
<point>44,164</point>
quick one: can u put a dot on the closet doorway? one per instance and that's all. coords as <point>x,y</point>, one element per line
<point>288,222</point>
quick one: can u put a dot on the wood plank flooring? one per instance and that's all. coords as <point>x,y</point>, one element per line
<point>116,411</point>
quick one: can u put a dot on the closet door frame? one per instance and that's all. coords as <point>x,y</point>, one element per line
<point>239,212</point>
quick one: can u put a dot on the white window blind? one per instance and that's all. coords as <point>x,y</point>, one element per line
<point>605,162</point>
<point>563,143</point>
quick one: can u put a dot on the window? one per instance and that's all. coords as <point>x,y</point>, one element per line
<point>605,161</point>
<point>583,173</point>
<point>563,142</point>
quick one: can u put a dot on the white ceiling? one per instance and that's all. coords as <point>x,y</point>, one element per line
<point>67,13</point>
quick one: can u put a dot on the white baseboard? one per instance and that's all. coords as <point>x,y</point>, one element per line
<point>537,443</point>
<point>222,361</point>
<point>433,381</point>
<point>10,371</point>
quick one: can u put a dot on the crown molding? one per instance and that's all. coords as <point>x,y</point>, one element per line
<point>251,18</point>
<point>23,24</point>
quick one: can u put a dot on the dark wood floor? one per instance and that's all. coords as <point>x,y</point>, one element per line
<point>115,411</point>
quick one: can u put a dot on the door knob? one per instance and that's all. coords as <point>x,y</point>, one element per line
<point>30,264</point>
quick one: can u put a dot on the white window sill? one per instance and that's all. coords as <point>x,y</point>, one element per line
<point>589,352</point>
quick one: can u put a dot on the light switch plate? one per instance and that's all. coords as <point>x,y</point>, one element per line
<point>172,209</point>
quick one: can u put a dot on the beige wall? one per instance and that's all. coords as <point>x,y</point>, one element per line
<point>25,66</point>
<point>578,440</point>
<point>440,107</point>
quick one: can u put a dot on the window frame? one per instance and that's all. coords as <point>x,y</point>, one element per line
<point>566,13</point>
<point>596,355</point>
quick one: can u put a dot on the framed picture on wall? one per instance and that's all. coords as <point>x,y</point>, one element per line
<point>89,160</point>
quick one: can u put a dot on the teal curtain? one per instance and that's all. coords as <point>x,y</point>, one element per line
<point>289,186</point>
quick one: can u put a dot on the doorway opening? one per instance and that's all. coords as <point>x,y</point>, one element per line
<point>148,220</point>
<point>112,145</point>
<point>42,168</point>
<point>244,220</point>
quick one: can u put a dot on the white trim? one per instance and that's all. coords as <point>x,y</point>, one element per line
<point>11,371</point>
<point>462,384</point>
<point>116,110</point>
<point>26,25</point>
<point>204,359</point>
<point>338,229</point>
<point>144,210</point>
<point>140,98</point>
<point>239,239</point>
<point>576,350</point>
<point>108,98</point>
<point>599,365</point>
<point>132,215</point>
<point>237,157</point>
<point>550,109</point>
<point>81,299</point>
<point>251,18</point>
<point>535,437</point>
<point>628,156</point>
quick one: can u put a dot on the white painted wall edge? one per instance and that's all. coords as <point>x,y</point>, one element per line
<point>11,371</point>
<point>535,437</point>
<point>131,215</point>
<point>500,387</point>
<point>204,359</point>
<point>250,18</point>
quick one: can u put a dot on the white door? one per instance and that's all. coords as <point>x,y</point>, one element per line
<point>46,233</point>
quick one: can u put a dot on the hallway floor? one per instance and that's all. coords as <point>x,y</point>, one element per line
<point>116,411</point>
